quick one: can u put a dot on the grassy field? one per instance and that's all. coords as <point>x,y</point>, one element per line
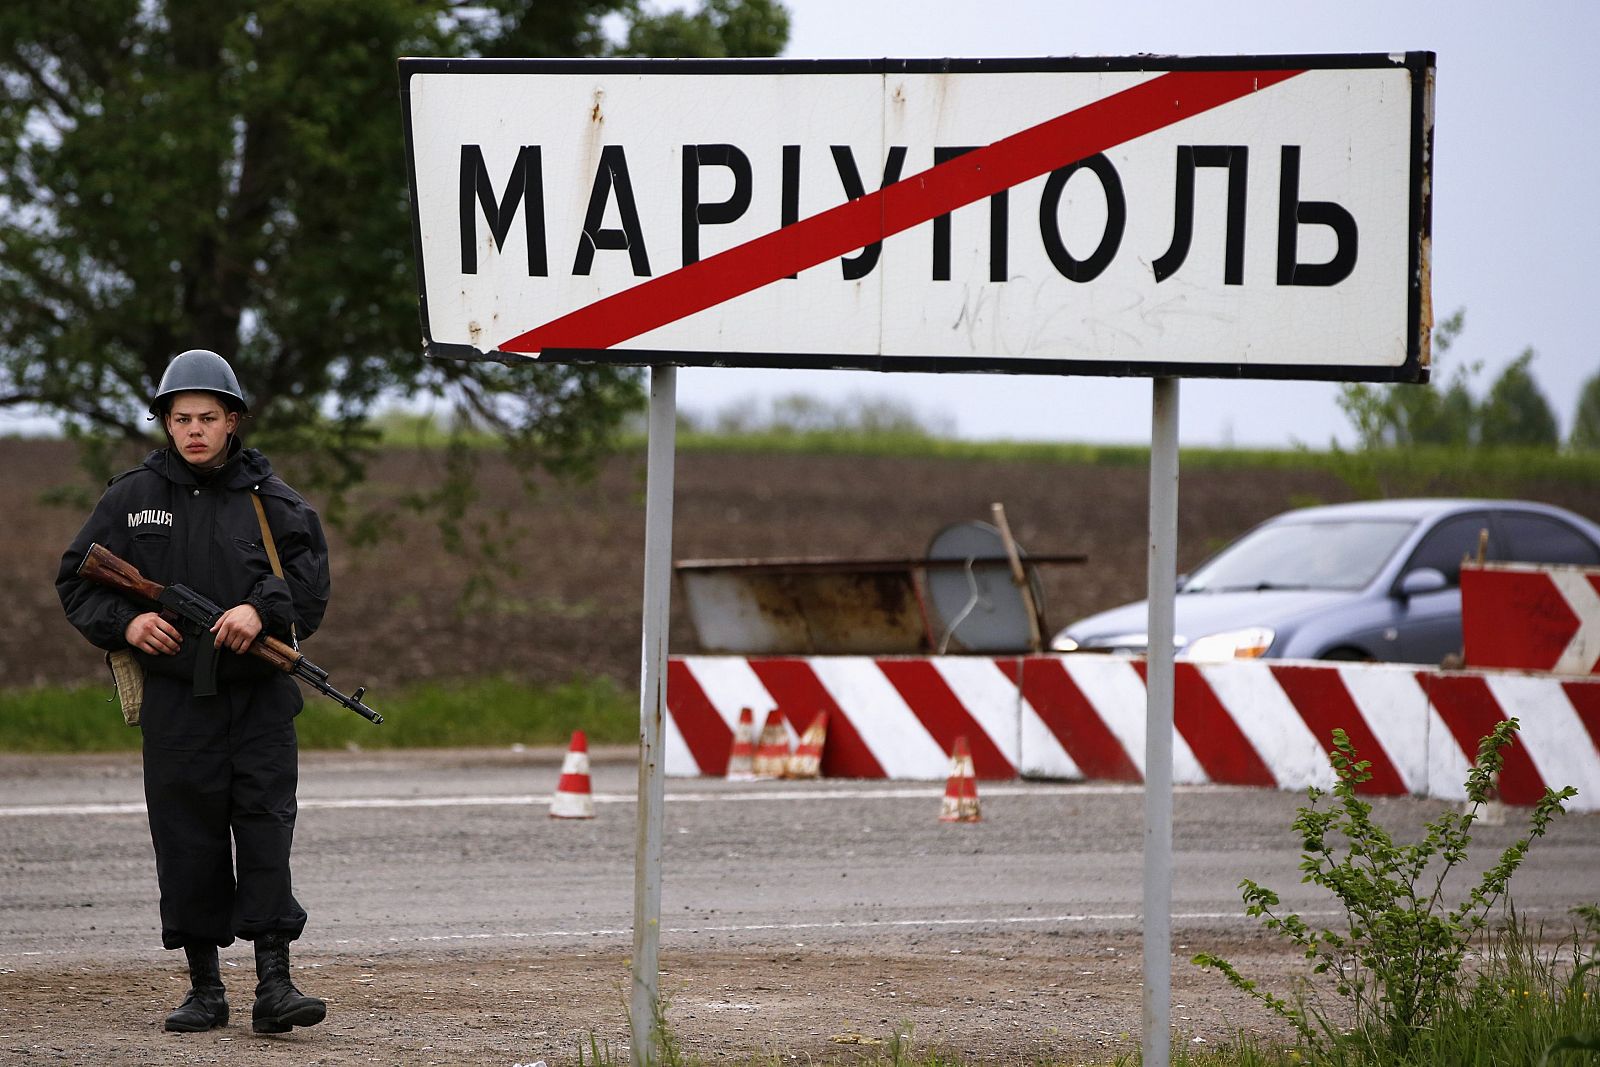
<point>487,712</point>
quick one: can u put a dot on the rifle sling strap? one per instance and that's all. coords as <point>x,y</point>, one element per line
<point>272,553</point>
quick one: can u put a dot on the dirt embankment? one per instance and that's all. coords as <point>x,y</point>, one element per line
<point>566,601</point>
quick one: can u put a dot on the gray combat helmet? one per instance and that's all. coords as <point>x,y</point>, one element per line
<point>199,370</point>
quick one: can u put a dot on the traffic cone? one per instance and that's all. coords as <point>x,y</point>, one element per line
<point>807,759</point>
<point>742,757</point>
<point>772,753</point>
<point>573,798</point>
<point>961,791</point>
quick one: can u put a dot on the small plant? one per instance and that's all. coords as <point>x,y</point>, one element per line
<point>600,1053</point>
<point>1395,960</point>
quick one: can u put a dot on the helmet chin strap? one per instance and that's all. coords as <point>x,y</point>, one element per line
<point>223,456</point>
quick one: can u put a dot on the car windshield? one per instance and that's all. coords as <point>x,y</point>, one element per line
<point>1302,555</point>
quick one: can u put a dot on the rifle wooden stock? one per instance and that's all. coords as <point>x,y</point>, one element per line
<point>102,566</point>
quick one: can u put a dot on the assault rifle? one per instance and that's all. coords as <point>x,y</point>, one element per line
<point>197,614</point>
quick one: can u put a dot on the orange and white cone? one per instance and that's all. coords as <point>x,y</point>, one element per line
<point>806,762</point>
<point>573,798</point>
<point>772,752</point>
<point>742,757</point>
<point>961,791</point>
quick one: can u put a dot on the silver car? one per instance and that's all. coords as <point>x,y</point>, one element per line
<point>1377,580</point>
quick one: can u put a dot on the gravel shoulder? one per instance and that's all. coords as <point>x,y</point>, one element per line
<point>1064,997</point>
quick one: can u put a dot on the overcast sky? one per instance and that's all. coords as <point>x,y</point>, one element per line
<point>1516,220</point>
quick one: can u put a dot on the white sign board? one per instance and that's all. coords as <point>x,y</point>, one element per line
<point>1255,216</point>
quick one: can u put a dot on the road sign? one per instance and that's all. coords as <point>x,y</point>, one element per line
<point>1254,216</point>
<point>1536,617</point>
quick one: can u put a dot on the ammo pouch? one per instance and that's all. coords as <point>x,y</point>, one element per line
<point>128,675</point>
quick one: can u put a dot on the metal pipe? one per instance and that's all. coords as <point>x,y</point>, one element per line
<point>1163,582</point>
<point>644,1001</point>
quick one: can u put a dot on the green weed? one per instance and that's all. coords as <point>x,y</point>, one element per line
<point>1388,983</point>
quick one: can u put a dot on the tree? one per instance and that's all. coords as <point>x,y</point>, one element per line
<point>721,28</point>
<point>1401,415</point>
<point>1515,412</point>
<point>1586,424</point>
<point>230,175</point>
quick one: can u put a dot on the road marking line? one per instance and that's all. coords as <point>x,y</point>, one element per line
<point>859,924</point>
<point>136,807</point>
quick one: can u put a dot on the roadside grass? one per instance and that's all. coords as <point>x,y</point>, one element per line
<point>1416,470</point>
<point>480,712</point>
<point>1419,470</point>
<point>1529,1002</point>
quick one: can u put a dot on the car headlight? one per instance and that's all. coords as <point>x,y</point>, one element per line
<point>1251,642</point>
<point>1063,643</point>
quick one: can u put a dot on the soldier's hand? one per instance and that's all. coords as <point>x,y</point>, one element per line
<point>153,634</point>
<point>238,628</point>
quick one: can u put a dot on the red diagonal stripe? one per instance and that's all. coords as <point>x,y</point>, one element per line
<point>1320,696</point>
<point>1471,712</point>
<point>1038,150</point>
<point>931,700</point>
<point>1067,714</point>
<point>796,690</point>
<point>1585,697</point>
<point>1224,752</point>
<point>703,730</point>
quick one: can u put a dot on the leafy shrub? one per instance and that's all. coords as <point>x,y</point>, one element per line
<point>1395,961</point>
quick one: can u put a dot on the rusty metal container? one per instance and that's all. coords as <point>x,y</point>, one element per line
<point>811,606</point>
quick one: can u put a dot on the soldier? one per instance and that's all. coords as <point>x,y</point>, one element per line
<point>220,752</point>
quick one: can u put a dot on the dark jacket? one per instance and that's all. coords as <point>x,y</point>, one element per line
<point>177,527</point>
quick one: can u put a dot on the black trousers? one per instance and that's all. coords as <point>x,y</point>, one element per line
<point>219,782</point>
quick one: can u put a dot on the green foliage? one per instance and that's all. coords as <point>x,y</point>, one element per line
<point>719,29</point>
<point>1515,412</point>
<point>493,711</point>
<point>1436,470</point>
<point>1394,963</point>
<point>1388,416</point>
<point>1422,470</point>
<point>230,175</point>
<point>1586,425</point>
<point>1529,1000</point>
<point>80,719</point>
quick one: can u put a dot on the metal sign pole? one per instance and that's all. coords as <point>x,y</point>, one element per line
<point>643,1004</point>
<point>1163,581</point>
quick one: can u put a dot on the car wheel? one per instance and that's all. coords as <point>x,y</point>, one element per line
<point>1347,654</point>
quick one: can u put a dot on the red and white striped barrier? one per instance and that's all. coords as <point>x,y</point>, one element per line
<point>1540,618</point>
<point>1083,716</point>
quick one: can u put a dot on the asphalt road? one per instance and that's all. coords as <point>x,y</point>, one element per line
<point>455,848</point>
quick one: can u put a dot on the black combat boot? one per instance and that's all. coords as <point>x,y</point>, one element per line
<point>279,1005</point>
<point>205,1006</point>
